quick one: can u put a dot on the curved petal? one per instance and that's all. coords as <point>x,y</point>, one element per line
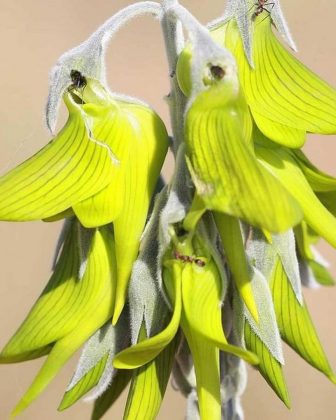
<point>67,302</point>
<point>106,400</point>
<point>225,171</point>
<point>269,367</point>
<point>318,180</point>
<point>295,325</point>
<point>202,309</point>
<point>145,157</point>
<point>95,309</point>
<point>280,89</point>
<point>281,164</point>
<point>148,386</point>
<point>67,170</point>
<point>232,241</point>
<point>87,382</point>
<point>146,350</point>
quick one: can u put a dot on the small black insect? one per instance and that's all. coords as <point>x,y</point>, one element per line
<point>78,80</point>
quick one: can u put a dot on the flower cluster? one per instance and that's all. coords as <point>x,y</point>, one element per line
<point>197,276</point>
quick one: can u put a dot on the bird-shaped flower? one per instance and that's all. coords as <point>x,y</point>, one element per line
<point>102,166</point>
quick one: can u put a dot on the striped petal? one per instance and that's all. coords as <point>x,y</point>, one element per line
<point>269,366</point>
<point>87,382</point>
<point>232,241</point>
<point>148,386</point>
<point>202,311</point>
<point>67,170</point>
<point>223,166</point>
<point>146,350</point>
<point>280,162</point>
<point>295,325</point>
<point>68,312</point>
<point>283,94</point>
<point>143,163</point>
<point>106,400</point>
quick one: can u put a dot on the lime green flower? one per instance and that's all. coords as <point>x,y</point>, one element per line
<point>286,99</point>
<point>283,164</point>
<point>103,167</point>
<point>195,288</point>
<point>278,264</point>
<point>227,176</point>
<point>228,244</point>
<point>71,308</point>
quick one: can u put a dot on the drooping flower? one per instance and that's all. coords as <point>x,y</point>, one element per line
<point>196,289</point>
<point>103,167</point>
<point>75,303</point>
<point>217,278</point>
<point>286,99</point>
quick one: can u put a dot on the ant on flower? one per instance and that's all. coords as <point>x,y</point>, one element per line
<point>188,259</point>
<point>261,6</point>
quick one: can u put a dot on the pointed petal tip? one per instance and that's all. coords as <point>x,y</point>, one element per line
<point>286,400</point>
<point>332,378</point>
<point>251,306</point>
<point>64,404</point>
<point>19,408</point>
<point>117,312</point>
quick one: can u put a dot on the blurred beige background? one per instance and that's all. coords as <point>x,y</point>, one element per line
<point>33,33</point>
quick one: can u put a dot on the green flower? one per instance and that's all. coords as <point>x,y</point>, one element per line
<point>75,303</point>
<point>286,99</point>
<point>283,164</point>
<point>195,288</point>
<point>103,167</point>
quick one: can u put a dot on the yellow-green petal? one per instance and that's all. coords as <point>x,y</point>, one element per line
<point>318,180</point>
<point>67,300</point>
<point>146,350</point>
<point>92,307</point>
<point>83,386</point>
<point>106,400</point>
<point>232,241</point>
<point>269,367</point>
<point>70,168</point>
<point>280,90</point>
<point>295,325</point>
<point>202,307</point>
<point>144,162</point>
<point>281,164</point>
<point>148,386</point>
<point>224,169</point>
<point>205,356</point>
